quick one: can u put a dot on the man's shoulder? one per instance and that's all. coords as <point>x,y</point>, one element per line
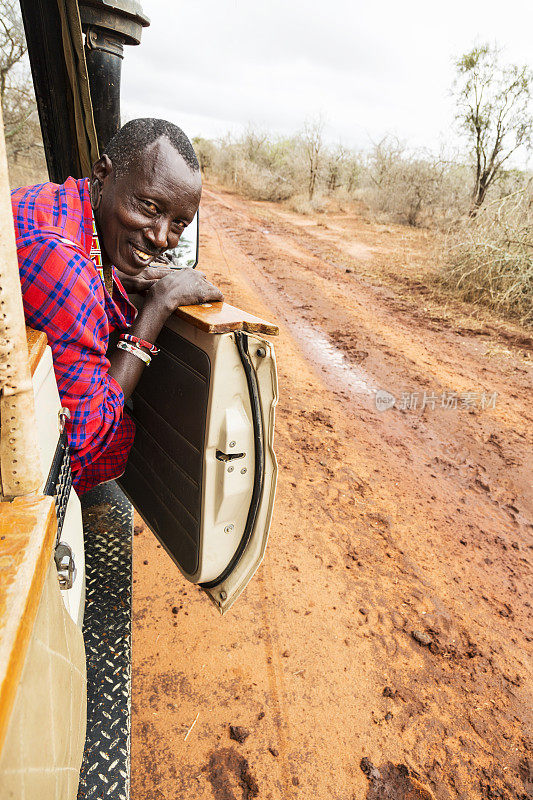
<point>51,210</point>
<point>47,257</point>
<point>43,196</point>
<point>61,289</point>
<point>42,190</point>
<point>54,267</point>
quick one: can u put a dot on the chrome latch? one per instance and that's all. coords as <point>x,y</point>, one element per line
<point>63,415</point>
<point>66,568</point>
<point>221,456</point>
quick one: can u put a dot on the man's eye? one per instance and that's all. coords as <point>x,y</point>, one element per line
<point>151,207</point>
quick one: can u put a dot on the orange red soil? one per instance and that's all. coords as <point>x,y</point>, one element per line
<point>383,648</point>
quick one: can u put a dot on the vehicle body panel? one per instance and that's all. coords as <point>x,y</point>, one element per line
<point>47,411</point>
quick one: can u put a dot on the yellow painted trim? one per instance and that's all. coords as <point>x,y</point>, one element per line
<point>27,536</point>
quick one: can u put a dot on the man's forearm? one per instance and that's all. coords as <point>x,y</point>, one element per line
<point>177,287</point>
<point>127,368</point>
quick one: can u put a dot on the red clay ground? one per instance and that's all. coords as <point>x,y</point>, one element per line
<point>383,649</point>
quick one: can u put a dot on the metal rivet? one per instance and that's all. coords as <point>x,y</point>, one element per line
<point>244,471</point>
<point>232,444</point>
<point>229,528</point>
<point>223,595</point>
<point>261,352</point>
<point>230,469</point>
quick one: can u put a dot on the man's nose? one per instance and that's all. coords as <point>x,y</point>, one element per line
<point>157,233</point>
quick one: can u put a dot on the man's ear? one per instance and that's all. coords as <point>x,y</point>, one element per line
<point>102,168</point>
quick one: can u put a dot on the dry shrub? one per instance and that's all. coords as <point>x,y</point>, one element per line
<point>489,258</point>
<point>206,153</point>
<point>254,165</point>
<point>259,183</point>
<point>408,193</point>
<point>413,188</point>
<point>25,157</point>
<point>264,167</point>
<point>302,205</point>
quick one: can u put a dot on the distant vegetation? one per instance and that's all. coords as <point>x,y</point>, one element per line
<point>393,181</point>
<point>487,257</point>
<point>408,187</point>
<point>484,208</point>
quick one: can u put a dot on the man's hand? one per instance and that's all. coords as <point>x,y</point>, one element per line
<point>181,287</point>
<point>139,284</point>
<point>169,289</point>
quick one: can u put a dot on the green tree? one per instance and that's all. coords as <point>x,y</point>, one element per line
<point>494,110</point>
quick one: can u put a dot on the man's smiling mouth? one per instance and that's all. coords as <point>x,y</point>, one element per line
<point>142,255</point>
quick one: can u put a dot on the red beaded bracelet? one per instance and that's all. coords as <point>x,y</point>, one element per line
<point>128,337</point>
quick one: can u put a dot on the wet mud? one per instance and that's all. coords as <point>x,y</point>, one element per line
<point>393,782</point>
<point>228,768</point>
<point>384,647</point>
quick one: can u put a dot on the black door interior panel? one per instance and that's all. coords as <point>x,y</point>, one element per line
<point>164,473</point>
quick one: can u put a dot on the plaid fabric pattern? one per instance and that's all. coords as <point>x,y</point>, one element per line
<point>65,297</point>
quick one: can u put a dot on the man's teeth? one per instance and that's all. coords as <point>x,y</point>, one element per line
<point>142,256</point>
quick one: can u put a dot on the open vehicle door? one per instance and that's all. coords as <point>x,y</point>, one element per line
<point>202,470</point>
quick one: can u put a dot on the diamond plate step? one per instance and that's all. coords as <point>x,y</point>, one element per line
<point>107,526</point>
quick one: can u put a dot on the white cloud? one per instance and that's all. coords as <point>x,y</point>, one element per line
<point>369,68</point>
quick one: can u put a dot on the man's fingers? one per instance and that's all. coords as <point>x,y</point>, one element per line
<point>154,273</point>
<point>185,287</point>
<point>214,295</point>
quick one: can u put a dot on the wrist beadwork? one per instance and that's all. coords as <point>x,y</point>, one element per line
<point>129,337</point>
<point>134,350</point>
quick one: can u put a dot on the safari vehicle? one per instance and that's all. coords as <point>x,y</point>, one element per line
<point>201,473</point>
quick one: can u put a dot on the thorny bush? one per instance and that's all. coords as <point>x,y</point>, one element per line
<point>489,259</point>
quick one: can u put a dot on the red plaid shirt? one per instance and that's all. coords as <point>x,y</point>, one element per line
<point>65,297</point>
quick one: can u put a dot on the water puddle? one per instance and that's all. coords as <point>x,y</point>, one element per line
<point>321,350</point>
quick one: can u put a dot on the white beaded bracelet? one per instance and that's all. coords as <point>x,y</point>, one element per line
<point>135,351</point>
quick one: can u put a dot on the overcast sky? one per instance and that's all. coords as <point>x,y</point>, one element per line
<point>370,68</point>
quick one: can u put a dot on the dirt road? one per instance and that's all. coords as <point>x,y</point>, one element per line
<point>382,649</point>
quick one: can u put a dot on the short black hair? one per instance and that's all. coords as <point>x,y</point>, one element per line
<point>138,134</point>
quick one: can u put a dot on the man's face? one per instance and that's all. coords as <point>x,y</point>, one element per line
<point>144,212</point>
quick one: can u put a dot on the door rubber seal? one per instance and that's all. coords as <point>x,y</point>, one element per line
<point>241,340</point>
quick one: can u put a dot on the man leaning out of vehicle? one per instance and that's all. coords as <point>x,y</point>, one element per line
<point>80,245</point>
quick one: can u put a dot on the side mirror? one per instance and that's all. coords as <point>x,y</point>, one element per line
<point>186,253</point>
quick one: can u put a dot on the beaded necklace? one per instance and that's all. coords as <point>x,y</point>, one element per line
<point>106,273</point>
